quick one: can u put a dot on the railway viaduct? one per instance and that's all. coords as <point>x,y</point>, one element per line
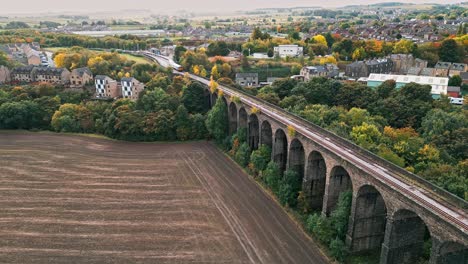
<point>393,210</point>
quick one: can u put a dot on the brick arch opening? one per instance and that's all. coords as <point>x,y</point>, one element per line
<point>408,240</point>
<point>369,221</point>
<point>232,118</point>
<point>243,118</point>
<point>253,132</point>
<point>266,134</point>
<point>297,157</point>
<point>452,253</point>
<point>340,182</point>
<point>280,149</point>
<point>316,177</point>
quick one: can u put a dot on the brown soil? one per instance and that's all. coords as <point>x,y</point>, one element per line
<point>74,199</point>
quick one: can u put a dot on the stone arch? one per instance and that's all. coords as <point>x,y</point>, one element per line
<point>452,253</point>
<point>253,132</point>
<point>406,238</point>
<point>316,177</point>
<point>340,182</point>
<point>232,118</point>
<point>297,157</point>
<point>266,137</point>
<point>242,118</point>
<point>207,96</point>
<point>214,97</point>
<point>280,149</point>
<point>368,222</point>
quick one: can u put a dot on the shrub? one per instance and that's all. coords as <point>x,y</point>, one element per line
<point>272,176</point>
<point>242,155</point>
<point>260,158</point>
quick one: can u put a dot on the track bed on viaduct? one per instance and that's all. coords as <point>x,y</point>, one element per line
<point>74,199</point>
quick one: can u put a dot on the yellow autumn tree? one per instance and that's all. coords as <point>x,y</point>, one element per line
<point>213,85</point>
<point>59,60</point>
<point>215,73</point>
<point>320,39</point>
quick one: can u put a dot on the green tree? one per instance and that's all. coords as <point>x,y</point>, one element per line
<point>242,155</point>
<point>160,125</point>
<point>72,118</point>
<point>455,80</point>
<point>449,51</point>
<point>193,98</point>
<point>260,158</point>
<point>183,124</point>
<point>366,135</point>
<point>217,121</point>
<point>19,115</point>
<point>290,185</point>
<point>272,176</point>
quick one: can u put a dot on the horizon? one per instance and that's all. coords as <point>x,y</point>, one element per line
<point>202,6</point>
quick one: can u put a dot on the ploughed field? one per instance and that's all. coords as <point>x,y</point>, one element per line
<point>74,199</point>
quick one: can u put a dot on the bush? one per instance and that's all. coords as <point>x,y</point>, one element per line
<point>242,155</point>
<point>290,186</point>
<point>260,158</point>
<point>272,176</point>
<point>338,249</point>
<point>321,228</point>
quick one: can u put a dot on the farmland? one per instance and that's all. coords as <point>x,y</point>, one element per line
<point>68,199</point>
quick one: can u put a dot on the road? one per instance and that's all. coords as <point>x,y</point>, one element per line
<point>73,199</point>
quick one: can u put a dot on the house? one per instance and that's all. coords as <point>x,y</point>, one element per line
<point>80,77</point>
<point>33,55</point>
<point>106,87</point>
<point>442,68</point>
<point>402,63</point>
<point>284,51</point>
<point>131,88</point>
<point>247,79</point>
<point>360,69</point>
<point>428,72</point>
<point>458,68</point>
<point>23,74</point>
<point>414,71</point>
<point>356,70</point>
<point>310,72</point>
<point>453,91</point>
<point>4,75</point>
<point>439,84</point>
<point>51,75</point>
<point>464,76</point>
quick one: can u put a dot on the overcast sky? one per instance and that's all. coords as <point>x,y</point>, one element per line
<point>41,6</point>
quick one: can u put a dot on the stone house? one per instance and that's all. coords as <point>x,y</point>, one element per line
<point>80,77</point>
<point>442,68</point>
<point>360,69</point>
<point>458,68</point>
<point>106,87</point>
<point>428,72</point>
<point>464,77</point>
<point>4,75</point>
<point>51,75</point>
<point>131,88</point>
<point>327,70</point>
<point>23,74</point>
<point>310,72</point>
<point>247,79</point>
